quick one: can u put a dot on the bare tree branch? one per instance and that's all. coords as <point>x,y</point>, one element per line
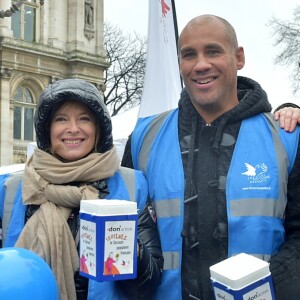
<point>125,77</point>
<point>287,39</point>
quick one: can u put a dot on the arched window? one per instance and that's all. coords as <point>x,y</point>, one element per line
<point>24,108</point>
<point>23,22</point>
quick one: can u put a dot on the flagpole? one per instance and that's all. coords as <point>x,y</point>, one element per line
<point>176,31</point>
<point>175,22</point>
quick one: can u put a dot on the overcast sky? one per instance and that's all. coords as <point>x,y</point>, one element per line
<point>249,18</point>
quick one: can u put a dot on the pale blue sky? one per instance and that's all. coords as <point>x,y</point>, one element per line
<point>249,17</point>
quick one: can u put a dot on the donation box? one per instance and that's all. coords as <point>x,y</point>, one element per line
<point>108,239</point>
<point>242,277</point>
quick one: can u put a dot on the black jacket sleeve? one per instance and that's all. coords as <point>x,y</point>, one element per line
<point>285,265</point>
<point>150,259</point>
<point>288,104</point>
<point>127,157</point>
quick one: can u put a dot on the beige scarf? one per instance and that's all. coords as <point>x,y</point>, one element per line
<point>47,232</point>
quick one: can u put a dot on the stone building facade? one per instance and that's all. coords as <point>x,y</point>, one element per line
<point>43,42</point>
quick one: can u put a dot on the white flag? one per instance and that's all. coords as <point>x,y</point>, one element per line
<point>162,84</point>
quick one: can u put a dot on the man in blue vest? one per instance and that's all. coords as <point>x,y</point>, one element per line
<point>223,176</point>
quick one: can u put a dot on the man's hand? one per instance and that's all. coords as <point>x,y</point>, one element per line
<point>288,118</point>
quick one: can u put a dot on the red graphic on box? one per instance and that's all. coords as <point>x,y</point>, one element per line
<point>109,265</point>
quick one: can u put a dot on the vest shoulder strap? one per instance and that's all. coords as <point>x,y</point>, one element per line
<point>128,184</point>
<point>150,136</point>
<point>128,175</point>
<point>290,141</point>
<point>11,186</point>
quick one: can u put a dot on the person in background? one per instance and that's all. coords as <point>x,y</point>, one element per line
<point>223,177</point>
<point>76,160</point>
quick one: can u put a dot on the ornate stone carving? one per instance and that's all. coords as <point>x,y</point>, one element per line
<point>15,7</point>
<point>5,72</point>
<point>54,78</point>
<point>101,87</point>
<point>89,27</point>
<point>89,13</point>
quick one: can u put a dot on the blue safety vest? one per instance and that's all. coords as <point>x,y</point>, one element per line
<point>126,184</point>
<point>256,190</point>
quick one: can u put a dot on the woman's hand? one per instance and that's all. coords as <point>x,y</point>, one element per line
<point>288,118</point>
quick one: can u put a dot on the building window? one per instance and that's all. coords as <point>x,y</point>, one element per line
<point>24,108</point>
<point>23,22</point>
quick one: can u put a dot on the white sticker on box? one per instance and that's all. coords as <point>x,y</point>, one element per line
<point>88,247</point>
<point>222,295</point>
<point>119,247</point>
<point>262,292</point>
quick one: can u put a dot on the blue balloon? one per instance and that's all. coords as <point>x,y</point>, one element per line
<point>24,275</point>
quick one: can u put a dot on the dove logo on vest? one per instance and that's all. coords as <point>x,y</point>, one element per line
<point>257,173</point>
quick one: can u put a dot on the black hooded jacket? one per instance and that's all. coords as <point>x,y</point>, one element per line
<point>207,150</point>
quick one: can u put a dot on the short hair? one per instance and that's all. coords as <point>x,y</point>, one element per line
<point>228,28</point>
